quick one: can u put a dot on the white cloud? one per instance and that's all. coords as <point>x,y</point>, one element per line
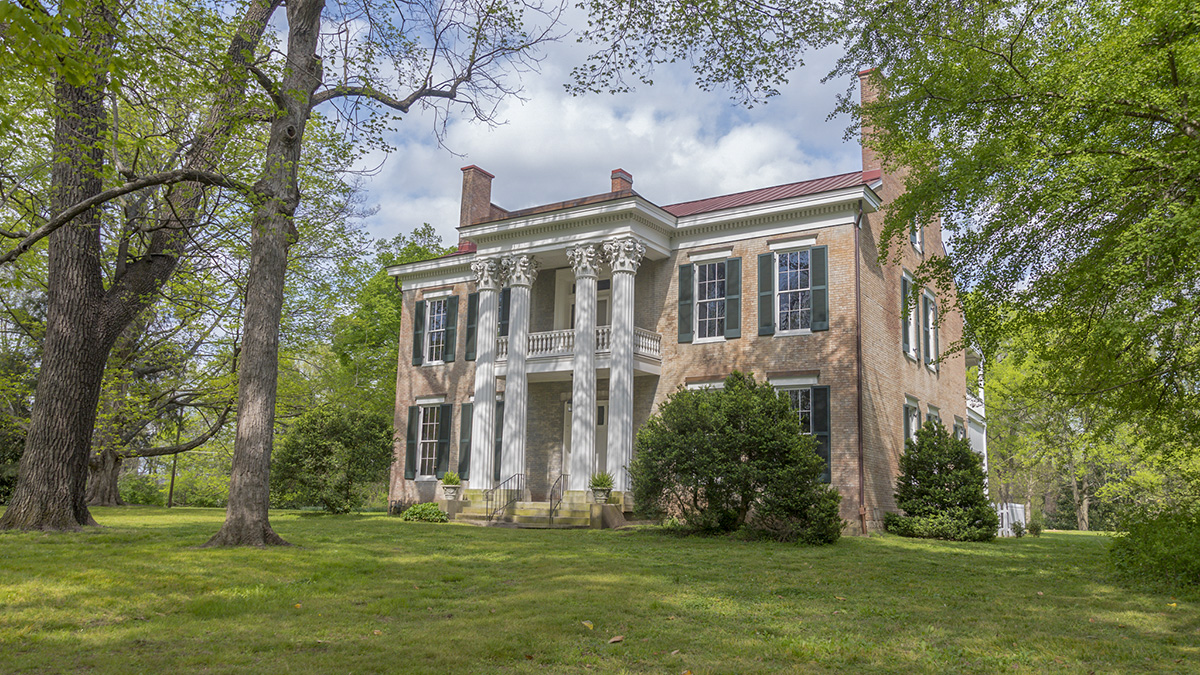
<point>678,142</point>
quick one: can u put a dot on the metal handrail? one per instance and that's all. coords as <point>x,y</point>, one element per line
<point>560,485</point>
<point>504,494</point>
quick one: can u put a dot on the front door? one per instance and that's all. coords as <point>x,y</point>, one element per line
<point>601,463</point>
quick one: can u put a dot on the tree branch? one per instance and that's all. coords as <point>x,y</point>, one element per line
<point>164,178</point>
<point>182,447</point>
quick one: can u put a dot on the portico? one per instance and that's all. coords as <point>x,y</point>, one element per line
<point>584,353</point>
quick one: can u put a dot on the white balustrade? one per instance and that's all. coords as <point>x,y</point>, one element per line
<point>554,343</point>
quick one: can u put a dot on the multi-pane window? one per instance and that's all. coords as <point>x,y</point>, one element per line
<point>427,450</point>
<point>916,234</point>
<point>794,295</point>
<point>912,318</point>
<point>802,403</point>
<point>435,330</point>
<point>710,300</point>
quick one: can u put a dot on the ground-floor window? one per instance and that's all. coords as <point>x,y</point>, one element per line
<point>912,420</point>
<point>427,451</point>
<point>812,408</point>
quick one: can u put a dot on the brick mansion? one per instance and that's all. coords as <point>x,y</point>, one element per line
<point>532,355</point>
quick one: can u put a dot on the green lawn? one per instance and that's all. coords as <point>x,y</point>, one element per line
<point>370,593</point>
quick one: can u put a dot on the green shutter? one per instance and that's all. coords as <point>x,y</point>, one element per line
<point>472,325</point>
<point>819,261</point>
<point>445,415</point>
<point>937,349</point>
<point>906,344</point>
<point>733,298</point>
<point>908,431</point>
<point>418,352</point>
<point>410,450</point>
<point>499,422</point>
<point>766,294</point>
<point>505,296</point>
<point>686,322</point>
<point>451,328</point>
<point>925,327</point>
<point>464,443</point>
<point>821,427</point>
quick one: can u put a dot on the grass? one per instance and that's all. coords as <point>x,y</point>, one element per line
<point>367,594</point>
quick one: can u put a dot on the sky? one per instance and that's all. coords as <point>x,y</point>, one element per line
<point>680,143</point>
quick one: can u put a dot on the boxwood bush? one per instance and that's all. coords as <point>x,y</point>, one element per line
<point>425,513</point>
<point>941,490</point>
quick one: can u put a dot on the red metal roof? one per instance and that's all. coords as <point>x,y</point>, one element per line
<point>769,194</point>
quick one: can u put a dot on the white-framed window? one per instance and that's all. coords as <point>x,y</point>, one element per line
<point>933,415</point>
<point>916,234</point>
<point>801,399</point>
<point>960,429</point>
<point>911,319</point>
<point>427,448</point>
<point>929,325</point>
<point>912,419</point>
<point>793,291</point>
<point>710,300</point>
<point>435,330</point>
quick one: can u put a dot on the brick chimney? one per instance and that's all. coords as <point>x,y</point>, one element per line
<point>869,85</point>
<point>476,196</point>
<point>621,180</point>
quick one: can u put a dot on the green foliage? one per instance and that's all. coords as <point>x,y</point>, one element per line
<point>331,457</point>
<point>1018,529</point>
<point>451,478</point>
<point>138,488</point>
<point>712,457</point>
<point>1160,549</point>
<point>941,490</point>
<point>601,481</point>
<point>1035,525</point>
<point>425,513</point>
<point>12,445</point>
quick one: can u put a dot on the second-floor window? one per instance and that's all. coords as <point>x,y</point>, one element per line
<point>710,300</point>
<point>929,325</point>
<point>435,330</point>
<point>911,325</point>
<point>794,291</point>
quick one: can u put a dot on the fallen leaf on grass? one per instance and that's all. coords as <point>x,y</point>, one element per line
<point>589,625</point>
<point>1171,604</point>
<point>839,597</point>
<point>1040,593</point>
<point>297,605</point>
<point>619,638</point>
<point>675,653</point>
<point>529,657</point>
<point>378,632</point>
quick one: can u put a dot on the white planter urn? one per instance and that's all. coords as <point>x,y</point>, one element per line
<point>601,495</point>
<point>451,492</point>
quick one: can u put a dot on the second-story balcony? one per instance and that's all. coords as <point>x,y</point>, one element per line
<point>552,352</point>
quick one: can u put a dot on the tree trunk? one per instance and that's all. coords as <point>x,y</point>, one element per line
<point>103,471</point>
<point>82,319</point>
<point>52,475</point>
<point>246,518</point>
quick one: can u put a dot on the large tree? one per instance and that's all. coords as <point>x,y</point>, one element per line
<point>1058,141</point>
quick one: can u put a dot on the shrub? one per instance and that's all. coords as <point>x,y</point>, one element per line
<point>425,513</point>
<point>331,458</point>
<point>451,478</point>
<point>723,459</point>
<point>1018,529</point>
<point>1035,526</point>
<point>12,446</point>
<point>601,481</point>
<point>141,489</point>
<point>1160,548</point>
<point>941,490</point>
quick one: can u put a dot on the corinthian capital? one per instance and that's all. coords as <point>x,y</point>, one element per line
<point>521,269</point>
<point>489,275</point>
<point>585,260</point>
<point>624,255</point>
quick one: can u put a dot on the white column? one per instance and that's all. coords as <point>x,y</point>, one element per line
<point>624,255</point>
<point>488,280</point>
<point>521,271</point>
<point>585,261</point>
